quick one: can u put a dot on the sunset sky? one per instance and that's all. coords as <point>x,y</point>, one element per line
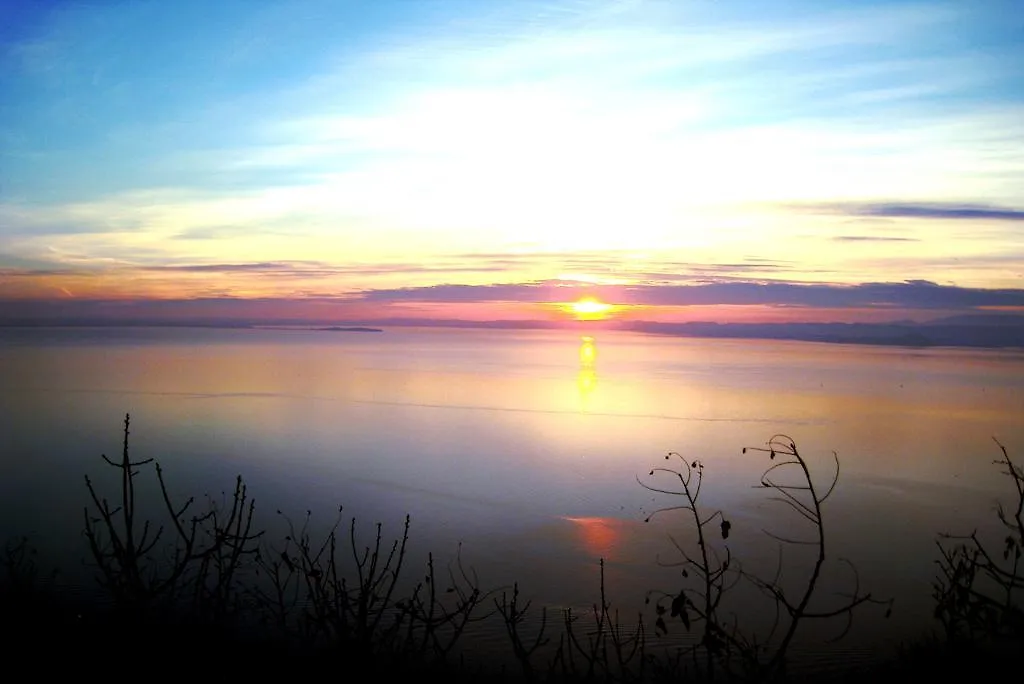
<point>476,159</point>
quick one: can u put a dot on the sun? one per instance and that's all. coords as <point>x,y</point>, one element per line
<point>589,309</point>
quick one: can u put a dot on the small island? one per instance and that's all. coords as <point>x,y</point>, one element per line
<point>352,328</point>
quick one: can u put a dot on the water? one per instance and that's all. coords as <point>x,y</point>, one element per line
<point>525,446</point>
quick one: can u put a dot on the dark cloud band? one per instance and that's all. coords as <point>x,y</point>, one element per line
<point>911,294</point>
<point>926,210</point>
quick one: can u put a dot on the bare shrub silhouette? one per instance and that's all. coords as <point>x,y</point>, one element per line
<point>335,598</point>
<point>213,569</point>
<point>978,594</point>
<point>525,648</point>
<point>607,651</point>
<point>21,572</point>
<point>591,647</point>
<point>339,593</point>
<point>725,649</point>
<point>194,569</point>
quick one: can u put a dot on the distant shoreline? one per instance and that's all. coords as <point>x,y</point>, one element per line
<point>977,332</point>
<point>350,328</point>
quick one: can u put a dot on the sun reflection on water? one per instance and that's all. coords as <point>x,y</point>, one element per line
<point>600,537</point>
<point>586,379</point>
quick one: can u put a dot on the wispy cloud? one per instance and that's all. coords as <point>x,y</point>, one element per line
<point>308,269</point>
<point>928,210</point>
<point>873,238</point>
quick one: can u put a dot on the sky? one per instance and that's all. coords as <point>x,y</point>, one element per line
<point>723,160</point>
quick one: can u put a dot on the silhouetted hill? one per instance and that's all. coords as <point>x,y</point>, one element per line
<point>350,328</point>
<point>958,331</point>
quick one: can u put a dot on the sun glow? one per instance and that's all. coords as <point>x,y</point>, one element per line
<point>589,309</point>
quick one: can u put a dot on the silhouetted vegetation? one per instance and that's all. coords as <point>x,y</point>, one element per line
<point>191,584</point>
<point>191,564</point>
<point>594,647</point>
<point>978,593</point>
<point>338,594</point>
<point>726,648</point>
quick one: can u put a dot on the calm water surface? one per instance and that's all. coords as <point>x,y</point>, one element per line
<point>523,445</point>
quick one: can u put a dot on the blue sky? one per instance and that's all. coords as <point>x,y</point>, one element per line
<point>638,143</point>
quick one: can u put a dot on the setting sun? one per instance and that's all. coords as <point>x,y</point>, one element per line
<point>589,308</point>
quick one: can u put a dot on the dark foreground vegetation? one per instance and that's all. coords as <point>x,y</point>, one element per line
<point>202,590</point>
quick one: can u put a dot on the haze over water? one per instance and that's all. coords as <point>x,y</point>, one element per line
<point>523,445</point>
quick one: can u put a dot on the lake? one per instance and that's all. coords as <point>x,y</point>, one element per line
<point>525,446</point>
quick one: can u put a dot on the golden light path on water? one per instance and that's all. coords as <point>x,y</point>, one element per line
<point>586,379</point>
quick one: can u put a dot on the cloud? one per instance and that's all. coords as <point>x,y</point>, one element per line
<point>249,280</point>
<point>872,238</point>
<point>916,294</point>
<point>790,301</point>
<point>264,267</point>
<point>37,272</point>
<point>513,292</point>
<point>925,210</point>
<point>314,269</point>
<point>544,123</point>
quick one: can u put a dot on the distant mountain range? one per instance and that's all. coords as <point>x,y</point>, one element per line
<point>983,330</point>
<point>350,328</point>
<point>966,330</point>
